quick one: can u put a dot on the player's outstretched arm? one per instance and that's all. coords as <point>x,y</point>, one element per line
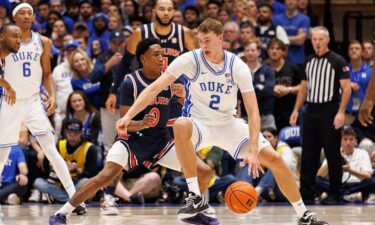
<point>252,110</point>
<point>47,76</point>
<point>143,100</point>
<point>364,115</point>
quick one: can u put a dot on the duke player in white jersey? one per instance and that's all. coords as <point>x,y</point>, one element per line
<point>25,72</point>
<point>214,77</point>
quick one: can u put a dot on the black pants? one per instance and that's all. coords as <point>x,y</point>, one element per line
<point>319,132</point>
<point>15,188</point>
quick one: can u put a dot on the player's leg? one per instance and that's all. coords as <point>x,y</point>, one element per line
<point>204,172</point>
<point>117,158</point>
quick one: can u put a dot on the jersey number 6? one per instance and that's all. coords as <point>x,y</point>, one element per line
<point>26,69</point>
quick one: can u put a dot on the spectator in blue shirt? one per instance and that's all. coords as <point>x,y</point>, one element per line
<point>13,182</point>
<point>297,27</point>
<point>100,31</point>
<point>359,78</point>
<point>278,7</point>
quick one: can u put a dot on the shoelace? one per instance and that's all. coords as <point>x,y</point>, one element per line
<point>189,200</point>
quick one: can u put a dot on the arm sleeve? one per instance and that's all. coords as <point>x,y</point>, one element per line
<point>90,168</point>
<point>127,92</point>
<point>242,76</point>
<point>121,70</point>
<point>185,64</point>
<point>342,68</point>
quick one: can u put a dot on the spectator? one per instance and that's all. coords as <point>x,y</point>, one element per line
<point>136,21</point>
<point>42,12</point>
<point>297,26</point>
<point>80,30</point>
<point>266,30</point>
<point>263,81</point>
<point>72,10</point>
<point>251,12</point>
<point>58,6</point>
<point>213,7</point>
<point>13,182</point>
<point>58,33</point>
<point>80,157</point>
<point>114,23</point>
<point>82,67</point>
<point>359,78</point>
<point>277,7</point>
<point>86,13</point>
<point>47,27</point>
<point>178,17</point>
<point>104,6</point>
<point>224,15</point>
<point>201,8</point>
<point>368,53</point>
<point>232,34</point>
<point>114,10</point>
<point>191,16</point>
<point>129,8</point>
<point>78,107</point>
<point>247,32</point>
<point>356,166</point>
<point>100,30</point>
<point>104,72</point>
<point>96,48</point>
<point>324,116</point>
<point>138,184</point>
<point>62,75</point>
<point>287,80</point>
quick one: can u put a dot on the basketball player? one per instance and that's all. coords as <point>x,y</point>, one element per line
<point>174,40</point>
<point>10,40</point>
<point>213,77</point>
<point>147,142</point>
<point>365,111</point>
<point>26,71</point>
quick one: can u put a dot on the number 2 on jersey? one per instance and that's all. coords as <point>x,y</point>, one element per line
<point>26,69</point>
<point>215,100</point>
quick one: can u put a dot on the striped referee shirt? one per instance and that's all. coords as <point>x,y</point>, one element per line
<point>323,75</point>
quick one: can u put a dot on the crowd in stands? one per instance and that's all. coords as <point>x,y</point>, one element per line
<point>273,38</point>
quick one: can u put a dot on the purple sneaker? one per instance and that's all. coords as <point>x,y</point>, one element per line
<point>201,219</point>
<point>58,219</point>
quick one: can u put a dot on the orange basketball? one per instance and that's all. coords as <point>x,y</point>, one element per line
<point>241,197</point>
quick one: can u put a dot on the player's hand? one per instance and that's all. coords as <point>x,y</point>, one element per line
<point>50,105</point>
<point>110,104</point>
<point>10,95</point>
<point>178,90</point>
<point>148,120</point>
<point>22,179</point>
<point>293,118</point>
<point>339,120</point>
<point>254,166</point>
<point>122,126</point>
<point>40,163</point>
<point>364,114</point>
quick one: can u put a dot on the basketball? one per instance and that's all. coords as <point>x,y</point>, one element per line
<point>241,197</point>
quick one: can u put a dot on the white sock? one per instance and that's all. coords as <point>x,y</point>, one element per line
<point>193,185</point>
<point>259,190</point>
<point>66,209</point>
<point>299,207</point>
<point>47,143</point>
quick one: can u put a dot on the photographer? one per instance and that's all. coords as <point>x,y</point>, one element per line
<point>356,166</point>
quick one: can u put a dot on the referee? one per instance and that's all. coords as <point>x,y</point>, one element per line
<point>325,73</point>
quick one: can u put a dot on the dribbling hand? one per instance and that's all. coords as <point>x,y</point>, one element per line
<point>254,166</point>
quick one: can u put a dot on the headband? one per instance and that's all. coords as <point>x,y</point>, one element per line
<point>20,6</point>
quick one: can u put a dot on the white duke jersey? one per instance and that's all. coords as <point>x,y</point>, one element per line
<point>211,89</point>
<point>23,70</point>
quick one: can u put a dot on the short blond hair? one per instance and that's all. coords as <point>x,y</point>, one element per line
<point>211,25</point>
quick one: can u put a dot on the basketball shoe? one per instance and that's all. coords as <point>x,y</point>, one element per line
<point>108,205</point>
<point>201,219</point>
<point>80,209</point>
<point>194,204</point>
<point>309,218</point>
<point>58,219</point>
